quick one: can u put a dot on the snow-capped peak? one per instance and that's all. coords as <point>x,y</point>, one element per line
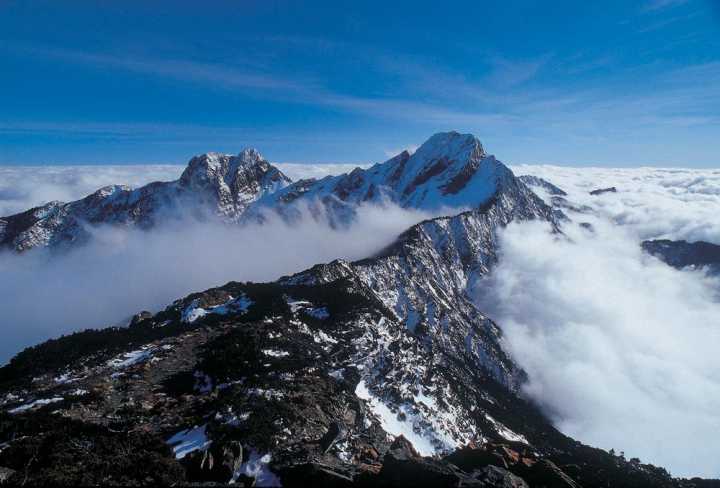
<point>234,181</point>
<point>213,184</point>
<point>450,170</point>
<point>452,146</point>
<point>213,166</point>
<point>250,155</point>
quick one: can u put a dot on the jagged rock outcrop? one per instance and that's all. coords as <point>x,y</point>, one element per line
<point>600,191</point>
<point>212,186</point>
<point>426,277</point>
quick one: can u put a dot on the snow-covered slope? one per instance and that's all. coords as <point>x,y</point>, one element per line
<point>213,185</point>
<point>450,170</point>
<point>426,277</point>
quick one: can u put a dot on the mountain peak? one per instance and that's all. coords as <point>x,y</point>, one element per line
<point>250,155</point>
<point>452,145</point>
<point>214,168</point>
<point>449,170</point>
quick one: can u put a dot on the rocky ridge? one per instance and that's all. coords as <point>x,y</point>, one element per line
<point>448,171</point>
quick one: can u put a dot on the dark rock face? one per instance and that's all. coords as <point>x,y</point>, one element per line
<point>683,254</point>
<point>217,463</point>
<point>403,466</point>
<point>600,191</point>
<point>499,477</point>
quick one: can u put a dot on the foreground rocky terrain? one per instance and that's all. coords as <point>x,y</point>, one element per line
<point>379,372</point>
<point>281,384</point>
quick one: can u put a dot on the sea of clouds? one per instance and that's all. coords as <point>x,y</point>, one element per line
<point>620,349</point>
<point>652,203</point>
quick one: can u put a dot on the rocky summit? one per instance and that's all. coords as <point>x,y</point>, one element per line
<point>377,372</point>
<point>450,170</point>
<point>213,186</point>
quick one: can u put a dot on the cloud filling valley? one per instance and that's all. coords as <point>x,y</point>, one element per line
<point>620,349</point>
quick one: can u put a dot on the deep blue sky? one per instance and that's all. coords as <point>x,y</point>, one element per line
<point>570,82</point>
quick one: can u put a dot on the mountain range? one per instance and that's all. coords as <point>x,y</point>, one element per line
<point>449,171</point>
<point>377,372</point>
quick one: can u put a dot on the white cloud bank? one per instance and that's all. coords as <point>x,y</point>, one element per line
<point>122,272</point>
<point>24,187</point>
<point>621,350</point>
<point>650,203</point>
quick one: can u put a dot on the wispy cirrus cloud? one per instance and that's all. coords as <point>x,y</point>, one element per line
<point>503,100</point>
<point>295,89</point>
<point>653,5</point>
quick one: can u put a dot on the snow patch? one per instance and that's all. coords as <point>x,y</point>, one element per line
<point>234,305</point>
<point>257,467</point>
<point>505,432</point>
<point>338,374</point>
<point>320,313</point>
<point>267,394</point>
<point>275,353</point>
<point>296,305</point>
<point>35,404</point>
<point>321,336</point>
<point>187,441</point>
<point>392,424</point>
<point>131,358</point>
<point>192,312</point>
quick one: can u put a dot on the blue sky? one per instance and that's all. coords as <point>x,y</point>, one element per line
<point>617,83</point>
